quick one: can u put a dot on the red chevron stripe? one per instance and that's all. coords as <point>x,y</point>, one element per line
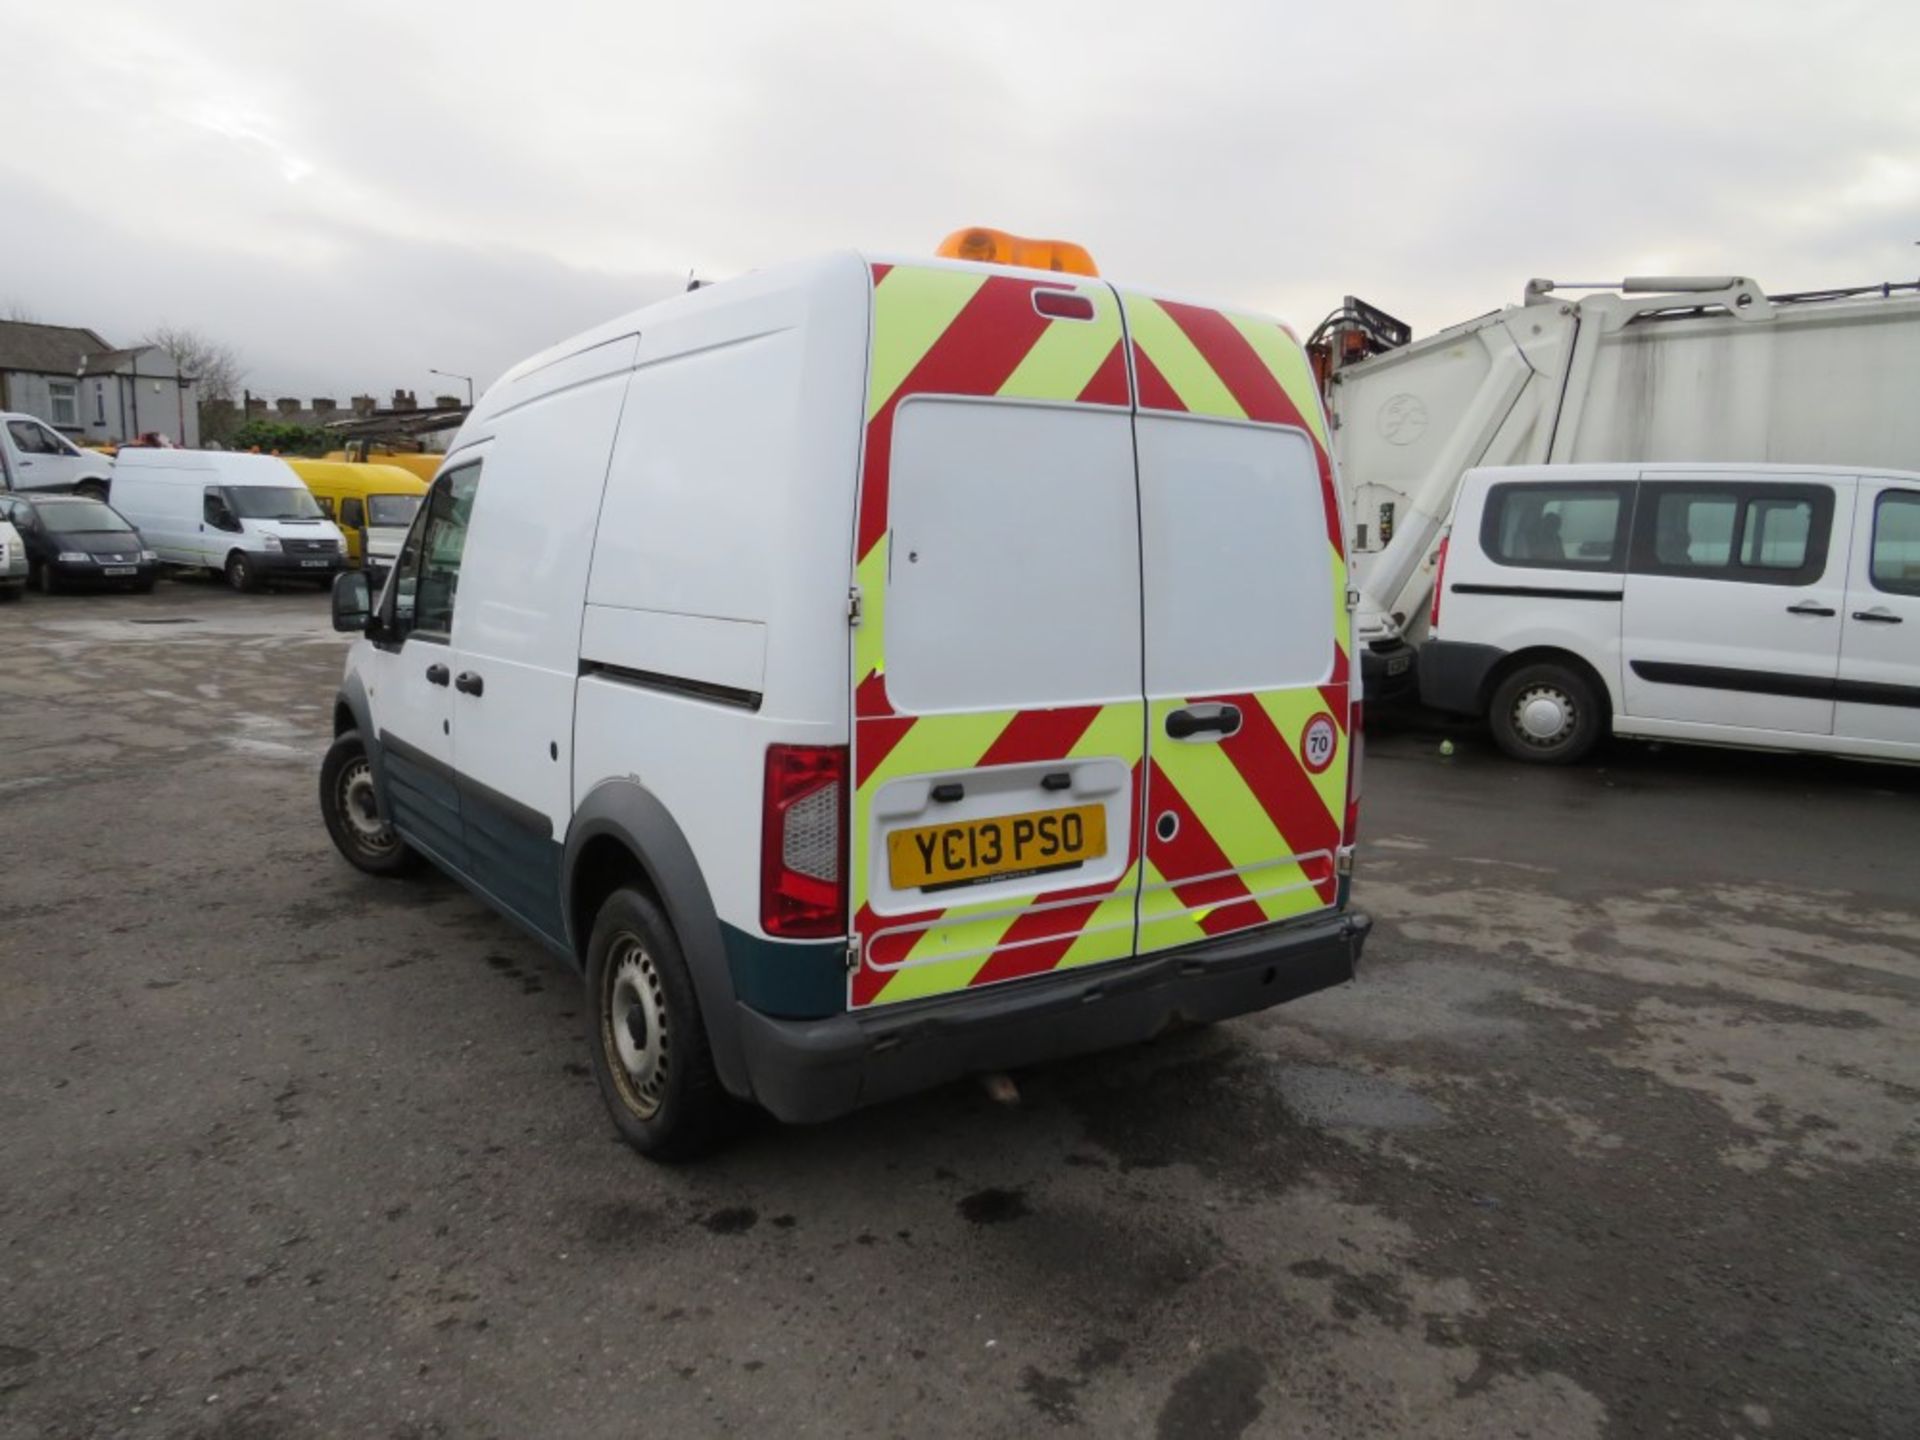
<point>1039,735</point>
<point>1155,392</point>
<point>973,356</point>
<point>1267,762</point>
<point>1109,383</point>
<point>880,270</point>
<point>1193,851</point>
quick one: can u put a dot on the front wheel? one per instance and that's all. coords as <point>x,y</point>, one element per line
<point>92,489</point>
<point>240,572</point>
<point>351,809</point>
<point>1546,714</point>
<point>650,1052</point>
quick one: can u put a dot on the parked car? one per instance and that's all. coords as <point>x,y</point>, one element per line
<point>13,557</point>
<point>34,456</point>
<point>865,685</point>
<point>73,542</point>
<point>373,504</point>
<point>247,517</point>
<point>1757,605</point>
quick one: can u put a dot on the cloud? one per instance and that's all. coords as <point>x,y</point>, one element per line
<point>351,192</point>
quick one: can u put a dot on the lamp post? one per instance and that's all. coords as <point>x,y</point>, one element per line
<point>449,375</point>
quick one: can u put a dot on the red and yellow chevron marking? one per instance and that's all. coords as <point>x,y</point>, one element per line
<point>1257,831</point>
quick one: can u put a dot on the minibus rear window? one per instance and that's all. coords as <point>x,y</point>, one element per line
<point>1557,527</point>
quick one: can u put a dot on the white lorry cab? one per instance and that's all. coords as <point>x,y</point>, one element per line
<point>35,456</point>
<point>873,672</point>
<point>1756,605</point>
<point>247,517</point>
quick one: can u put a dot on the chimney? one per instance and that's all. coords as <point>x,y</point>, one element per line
<point>287,405</point>
<point>403,400</point>
<point>447,402</point>
<point>364,404</point>
<point>322,405</point>
<point>256,405</point>
<point>221,407</point>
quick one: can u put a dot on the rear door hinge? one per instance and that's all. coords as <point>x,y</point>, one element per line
<point>854,605</point>
<point>1353,600</point>
<point>853,953</point>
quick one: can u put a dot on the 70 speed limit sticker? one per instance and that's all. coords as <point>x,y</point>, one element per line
<point>1319,742</point>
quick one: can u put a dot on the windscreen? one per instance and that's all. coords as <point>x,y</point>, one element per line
<point>82,517</point>
<point>271,502</point>
<point>395,510</point>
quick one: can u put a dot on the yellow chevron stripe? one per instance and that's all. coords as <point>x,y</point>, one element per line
<point>1164,921</point>
<point>1174,356</point>
<point>1067,354</point>
<point>912,308</point>
<point>1291,710</point>
<point>1282,355</point>
<point>1108,933</point>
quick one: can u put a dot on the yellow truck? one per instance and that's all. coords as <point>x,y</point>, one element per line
<point>372,502</point>
<point>422,463</point>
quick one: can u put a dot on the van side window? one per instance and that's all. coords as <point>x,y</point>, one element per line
<point>326,505</point>
<point>427,579</point>
<point>1750,533</point>
<point>352,512</point>
<point>31,439</point>
<point>1896,542</point>
<point>1557,527</point>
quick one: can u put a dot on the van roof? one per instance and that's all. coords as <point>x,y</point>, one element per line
<point>207,467</point>
<point>1679,470</point>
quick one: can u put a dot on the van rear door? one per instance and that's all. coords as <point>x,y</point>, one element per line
<point>998,716</point>
<point>1246,626</point>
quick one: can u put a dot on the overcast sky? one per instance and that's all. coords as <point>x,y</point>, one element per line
<point>352,193</point>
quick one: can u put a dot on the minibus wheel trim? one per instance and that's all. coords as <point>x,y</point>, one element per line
<point>360,807</point>
<point>1544,715</point>
<point>634,1029</point>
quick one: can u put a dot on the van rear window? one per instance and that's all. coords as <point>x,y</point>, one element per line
<point>1557,527</point>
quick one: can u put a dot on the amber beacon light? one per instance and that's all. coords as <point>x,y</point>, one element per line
<point>997,247</point>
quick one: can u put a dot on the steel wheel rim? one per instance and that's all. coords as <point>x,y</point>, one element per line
<point>359,808</point>
<point>236,572</point>
<point>634,1033</point>
<point>1544,716</point>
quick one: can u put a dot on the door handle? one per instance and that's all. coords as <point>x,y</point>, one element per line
<point>468,683</point>
<point>1811,607</point>
<point>1221,720</point>
<point>437,674</point>
<point>1879,615</point>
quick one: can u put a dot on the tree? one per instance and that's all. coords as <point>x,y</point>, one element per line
<point>216,366</point>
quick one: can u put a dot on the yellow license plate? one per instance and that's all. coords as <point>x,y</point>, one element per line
<point>1002,847</point>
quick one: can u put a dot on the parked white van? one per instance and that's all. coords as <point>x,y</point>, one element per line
<point>35,456</point>
<point>776,654</point>
<point>247,517</point>
<point>1757,605</point>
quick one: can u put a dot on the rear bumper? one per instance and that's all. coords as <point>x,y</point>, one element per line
<point>1453,675</point>
<point>808,1070</point>
<point>1389,674</point>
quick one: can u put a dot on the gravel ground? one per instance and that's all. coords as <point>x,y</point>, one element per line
<point>1615,1136</point>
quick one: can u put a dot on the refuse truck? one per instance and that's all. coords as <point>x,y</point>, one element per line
<point>1653,368</point>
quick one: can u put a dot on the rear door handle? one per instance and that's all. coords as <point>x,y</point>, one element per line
<point>468,683</point>
<point>1879,615</point>
<point>1810,607</point>
<point>437,674</point>
<point>1221,720</point>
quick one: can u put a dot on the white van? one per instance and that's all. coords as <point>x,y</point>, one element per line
<point>1757,605</point>
<point>247,517</point>
<point>35,456</point>
<point>874,672</point>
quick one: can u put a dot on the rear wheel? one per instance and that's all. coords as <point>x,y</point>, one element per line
<point>240,572</point>
<point>351,809</point>
<point>650,1052</point>
<point>1547,714</point>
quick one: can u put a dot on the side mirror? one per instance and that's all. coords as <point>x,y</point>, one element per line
<point>352,604</point>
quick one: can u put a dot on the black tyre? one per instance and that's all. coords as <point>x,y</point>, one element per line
<point>351,809</point>
<point>1547,714</point>
<point>650,1052</point>
<point>46,580</point>
<point>240,572</point>
<point>12,592</point>
<point>144,587</point>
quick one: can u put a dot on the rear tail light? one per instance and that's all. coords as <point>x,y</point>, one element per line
<point>1357,741</point>
<point>1439,583</point>
<point>803,847</point>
